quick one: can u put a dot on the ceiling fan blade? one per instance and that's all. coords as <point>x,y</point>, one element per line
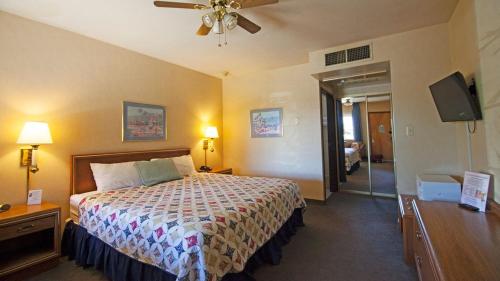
<point>166,4</point>
<point>203,30</point>
<point>255,3</point>
<point>248,25</point>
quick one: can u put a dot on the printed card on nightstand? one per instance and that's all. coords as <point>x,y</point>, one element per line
<point>475,190</point>
<point>35,197</point>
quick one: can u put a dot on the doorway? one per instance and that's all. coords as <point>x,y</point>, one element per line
<point>363,132</point>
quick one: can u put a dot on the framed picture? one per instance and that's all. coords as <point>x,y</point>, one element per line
<point>266,122</point>
<point>144,122</point>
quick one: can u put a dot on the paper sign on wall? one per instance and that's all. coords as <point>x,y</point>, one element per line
<point>475,190</point>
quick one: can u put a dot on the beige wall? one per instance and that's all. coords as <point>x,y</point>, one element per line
<point>465,58</point>
<point>296,155</point>
<point>77,85</point>
<point>417,58</point>
<point>488,31</point>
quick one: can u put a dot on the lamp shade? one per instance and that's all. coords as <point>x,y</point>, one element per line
<point>211,133</point>
<point>35,133</point>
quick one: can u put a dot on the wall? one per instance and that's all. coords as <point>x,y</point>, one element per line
<point>464,54</point>
<point>296,155</point>
<point>488,31</point>
<point>417,59</point>
<point>77,85</point>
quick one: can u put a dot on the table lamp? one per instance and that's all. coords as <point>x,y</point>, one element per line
<point>33,134</point>
<point>211,133</point>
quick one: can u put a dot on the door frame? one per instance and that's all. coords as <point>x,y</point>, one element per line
<point>393,125</point>
<point>332,154</point>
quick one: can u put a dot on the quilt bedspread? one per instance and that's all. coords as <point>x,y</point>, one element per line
<point>197,228</point>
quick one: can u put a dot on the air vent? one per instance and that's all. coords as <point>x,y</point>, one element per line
<point>335,58</point>
<point>348,55</point>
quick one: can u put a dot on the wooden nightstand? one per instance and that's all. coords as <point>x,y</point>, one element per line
<point>228,171</point>
<point>29,240</point>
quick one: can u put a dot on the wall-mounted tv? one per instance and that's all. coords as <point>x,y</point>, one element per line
<point>454,100</point>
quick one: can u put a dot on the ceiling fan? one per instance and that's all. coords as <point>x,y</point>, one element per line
<point>222,16</point>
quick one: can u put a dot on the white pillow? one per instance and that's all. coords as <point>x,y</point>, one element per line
<point>184,165</point>
<point>113,176</point>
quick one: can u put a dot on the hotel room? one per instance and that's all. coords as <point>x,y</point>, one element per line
<point>249,140</point>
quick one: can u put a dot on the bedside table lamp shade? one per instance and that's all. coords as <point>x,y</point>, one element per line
<point>33,134</point>
<point>211,133</point>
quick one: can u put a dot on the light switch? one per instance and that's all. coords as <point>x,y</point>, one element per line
<point>410,131</point>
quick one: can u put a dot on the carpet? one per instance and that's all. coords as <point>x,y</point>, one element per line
<point>383,179</point>
<point>351,237</point>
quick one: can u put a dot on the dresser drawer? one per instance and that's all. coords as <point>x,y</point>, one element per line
<point>26,227</point>
<point>422,259</point>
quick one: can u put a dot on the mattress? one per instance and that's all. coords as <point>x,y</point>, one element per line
<point>351,157</point>
<point>197,228</point>
<point>74,201</point>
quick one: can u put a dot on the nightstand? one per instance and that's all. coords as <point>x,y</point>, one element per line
<point>29,240</point>
<point>228,171</point>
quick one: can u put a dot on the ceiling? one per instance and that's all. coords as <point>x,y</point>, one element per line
<point>290,29</point>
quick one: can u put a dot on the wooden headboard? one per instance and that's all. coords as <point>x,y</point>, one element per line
<point>82,179</point>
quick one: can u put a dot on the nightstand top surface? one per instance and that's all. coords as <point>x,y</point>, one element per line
<point>23,210</point>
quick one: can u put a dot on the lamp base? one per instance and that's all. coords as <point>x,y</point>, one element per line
<point>205,169</point>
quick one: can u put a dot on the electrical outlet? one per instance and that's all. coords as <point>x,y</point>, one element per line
<point>410,131</point>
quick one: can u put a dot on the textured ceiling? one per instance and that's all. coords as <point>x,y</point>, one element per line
<point>290,29</point>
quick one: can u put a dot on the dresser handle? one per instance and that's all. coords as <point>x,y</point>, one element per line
<point>25,228</point>
<point>419,236</point>
<point>419,261</point>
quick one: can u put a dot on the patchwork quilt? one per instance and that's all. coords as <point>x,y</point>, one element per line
<point>197,228</point>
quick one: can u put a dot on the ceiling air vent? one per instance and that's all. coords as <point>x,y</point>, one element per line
<point>348,55</point>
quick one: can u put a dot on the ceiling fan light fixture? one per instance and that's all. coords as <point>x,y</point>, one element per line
<point>209,20</point>
<point>218,27</point>
<point>230,20</point>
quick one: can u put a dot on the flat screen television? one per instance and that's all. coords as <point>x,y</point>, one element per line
<point>454,100</point>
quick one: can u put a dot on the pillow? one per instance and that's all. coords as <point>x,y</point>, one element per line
<point>347,143</point>
<point>184,164</point>
<point>355,145</point>
<point>153,172</point>
<point>113,176</point>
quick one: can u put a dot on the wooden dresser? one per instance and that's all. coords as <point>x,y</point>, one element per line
<point>406,220</point>
<point>454,244</point>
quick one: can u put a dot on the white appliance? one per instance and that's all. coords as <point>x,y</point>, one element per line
<point>438,187</point>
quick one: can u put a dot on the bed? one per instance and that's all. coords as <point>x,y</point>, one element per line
<point>352,159</point>
<point>202,227</point>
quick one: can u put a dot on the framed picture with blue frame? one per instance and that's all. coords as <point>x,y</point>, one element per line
<point>144,122</point>
<point>266,122</point>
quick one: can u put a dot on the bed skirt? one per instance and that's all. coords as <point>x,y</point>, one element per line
<point>88,251</point>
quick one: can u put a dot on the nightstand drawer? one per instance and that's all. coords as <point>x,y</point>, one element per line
<point>26,227</point>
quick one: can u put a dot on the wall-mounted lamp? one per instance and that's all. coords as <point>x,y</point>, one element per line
<point>211,133</point>
<point>33,134</point>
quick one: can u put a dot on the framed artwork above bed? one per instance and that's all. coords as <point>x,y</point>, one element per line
<point>144,122</point>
